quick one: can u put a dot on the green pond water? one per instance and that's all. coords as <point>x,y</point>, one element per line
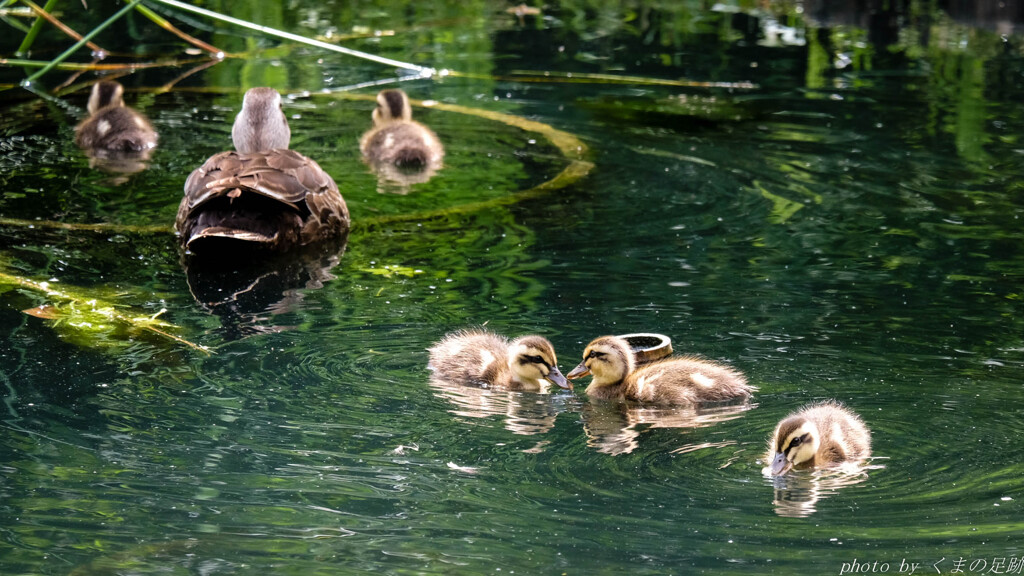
<point>840,217</point>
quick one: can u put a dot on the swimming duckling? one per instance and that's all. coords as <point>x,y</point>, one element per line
<point>261,194</point>
<point>112,126</point>
<point>673,380</point>
<point>398,141</point>
<point>822,434</point>
<point>526,363</point>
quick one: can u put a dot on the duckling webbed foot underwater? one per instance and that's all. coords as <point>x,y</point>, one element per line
<point>481,357</point>
<point>261,194</point>
<point>677,380</point>
<point>397,147</point>
<point>823,434</point>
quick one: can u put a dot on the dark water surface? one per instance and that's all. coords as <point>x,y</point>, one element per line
<point>843,222</point>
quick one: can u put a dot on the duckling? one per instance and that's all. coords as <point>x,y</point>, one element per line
<point>673,380</point>
<point>526,363</point>
<point>398,141</point>
<point>821,434</point>
<point>261,194</point>
<point>112,126</point>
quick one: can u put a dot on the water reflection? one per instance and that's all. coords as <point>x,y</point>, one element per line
<point>246,297</point>
<point>797,495</point>
<point>524,413</point>
<point>616,428</point>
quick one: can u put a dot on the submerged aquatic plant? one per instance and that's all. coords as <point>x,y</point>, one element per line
<point>89,321</point>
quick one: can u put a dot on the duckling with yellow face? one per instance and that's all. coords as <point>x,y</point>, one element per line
<point>481,357</point>
<point>112,126</point>
<point>824,434</point>
<point>261,194</point>
<point>397,146</point>
<point>675,380</point>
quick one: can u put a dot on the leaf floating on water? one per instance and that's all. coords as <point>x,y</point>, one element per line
<point>91,321</point>
<point>46,312</point>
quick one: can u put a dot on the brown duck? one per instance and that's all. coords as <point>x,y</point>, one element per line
<point>261,194</point>
<point>823,434</point>
<point>678,380</point>
<point>398,141</point>
<point>481,357</point>
<point>112,126</point>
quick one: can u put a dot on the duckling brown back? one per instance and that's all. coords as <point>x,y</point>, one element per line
<point>473,356</point>
<point>686,380</point>
<point>111,126</point>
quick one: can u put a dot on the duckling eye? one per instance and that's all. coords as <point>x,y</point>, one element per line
<point>796,442</point>
<point>535,359</point>
<point>594,354</point>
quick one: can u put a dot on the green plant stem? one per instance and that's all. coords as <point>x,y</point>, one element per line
<point>34,30</point>
<point>163,23</point>
<point>421,70</point>
<point>28,81</point>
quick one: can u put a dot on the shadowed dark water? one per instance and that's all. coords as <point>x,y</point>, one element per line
<point>848,227</point>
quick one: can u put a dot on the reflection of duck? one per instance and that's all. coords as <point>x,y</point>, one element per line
<point>820,434</point>
<point>112,126</point>
<point>616,428</point>
<point>797,495</point>
<point>478,356</point>
<point>261,194</point>
<point>398,147</point>
<point>521,413</point>
<point>674,380</point>
<point>248,297</point>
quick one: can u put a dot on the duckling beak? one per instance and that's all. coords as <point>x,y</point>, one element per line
<point>555,377</point>
<point>578,372</point>
<point>780,465</point>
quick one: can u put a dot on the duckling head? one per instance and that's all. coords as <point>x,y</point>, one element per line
<point>261,125</point>
<point>392,106</point>
<point>532,359</point>
<point>105,93</point>
<point>609,359</point>
<point>796,440</point>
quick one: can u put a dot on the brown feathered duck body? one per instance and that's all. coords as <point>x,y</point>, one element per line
<point>112,127</point>
<point>822,434</point>
<point>261,194</point>
<point>398,140</point>
<point>676,380</point>
<point>482,357</point>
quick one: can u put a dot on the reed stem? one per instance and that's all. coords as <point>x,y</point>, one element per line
<point>34,30</point>
<point>421,70</point>
<point>27,83</point>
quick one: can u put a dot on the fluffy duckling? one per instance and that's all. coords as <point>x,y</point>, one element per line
<point>398,140</point>
<point>112,126</point>
<point>673,380</point>
<point>822,434</point>
<point>526,363</point>
<point>261,194</point>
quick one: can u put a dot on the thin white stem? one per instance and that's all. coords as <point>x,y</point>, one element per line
<point>424,72</point>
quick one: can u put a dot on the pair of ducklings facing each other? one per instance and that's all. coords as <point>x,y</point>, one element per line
<point>262,193</point>
<point>822,434</point>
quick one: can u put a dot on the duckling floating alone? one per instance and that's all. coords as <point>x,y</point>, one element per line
<point>260,194</point>
<point>821,434</point>
<point>112,126</point>
<point>397,146</point>
<point>478,356</point>
<point>674,380</point>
